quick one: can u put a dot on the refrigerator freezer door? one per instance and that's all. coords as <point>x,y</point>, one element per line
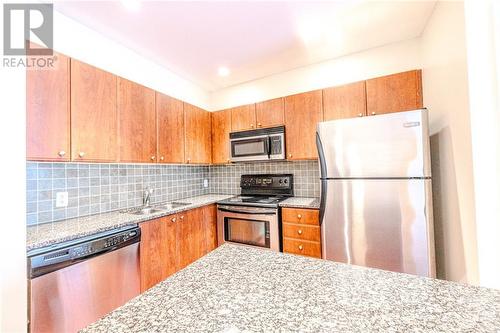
<point>384,224</point>
<point>391,145</point>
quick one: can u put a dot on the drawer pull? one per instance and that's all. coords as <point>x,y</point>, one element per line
<point>173,219</point>
<point>299,231</point>
<point>301,247</point>
<point>299,216</point>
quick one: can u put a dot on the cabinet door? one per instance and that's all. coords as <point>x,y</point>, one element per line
<point>137,135</point>
<point>347,101</point>
<point>221,127</point>
<point>270,113</point>
<point>209,229</point>
<point>94,118</point>
<point>47,112</point>
<point>153,254</point>
<point>158,250</point>
<point>198,135</point>
<point>302,114</point>
<point>186,240</point>
<point>170,119</point>
<point>394,93</point>
<point>243,117</point>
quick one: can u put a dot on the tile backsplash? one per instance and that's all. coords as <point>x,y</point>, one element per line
<point>98,188</point>
<point>225,179</point>
<point>101,187</point>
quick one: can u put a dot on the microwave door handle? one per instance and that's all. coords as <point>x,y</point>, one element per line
<point>269,147</point>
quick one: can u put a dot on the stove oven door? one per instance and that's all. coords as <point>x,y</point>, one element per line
<point>254,226</point>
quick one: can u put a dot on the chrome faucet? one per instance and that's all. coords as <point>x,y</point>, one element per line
<point>146,199</point>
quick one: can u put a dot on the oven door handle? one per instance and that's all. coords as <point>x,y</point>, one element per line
<point>264,212</point>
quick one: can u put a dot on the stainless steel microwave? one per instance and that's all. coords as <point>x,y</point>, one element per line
<point>258,145</point>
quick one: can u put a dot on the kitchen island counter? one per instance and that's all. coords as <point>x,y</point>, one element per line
<point>236,288</point>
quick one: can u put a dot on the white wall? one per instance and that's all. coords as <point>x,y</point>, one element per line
<point>483,45</point>
<point>392,58</point>
<point>75,40</point>
<point>445,92</point>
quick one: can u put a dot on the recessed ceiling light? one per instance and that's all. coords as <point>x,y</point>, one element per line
<point>132,5</point>
<point>223,71</point>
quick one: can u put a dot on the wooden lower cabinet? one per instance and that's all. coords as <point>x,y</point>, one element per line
<point>301,232</point>
<point>170,243</point>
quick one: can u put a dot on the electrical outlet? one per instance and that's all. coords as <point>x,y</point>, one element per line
<point>205,182</point>
<point>61,199</point>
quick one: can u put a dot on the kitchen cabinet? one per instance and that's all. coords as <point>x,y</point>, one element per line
<point>198,135</point>
<point>346,101</point>
<point>48,112</point>
<point>221,127</point>
<point>94,117</point>
<point>158,250</point>
<point>302,113</point>
<point>170,243</point>
<point>243,117</point>
<point>394,93</point>
<point>301,232</point>
<point>137,134</point>
<point>270,113</point>
<point>209,229</point>
<point>170,122</point>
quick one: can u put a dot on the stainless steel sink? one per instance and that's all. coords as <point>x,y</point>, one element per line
<point>141,211</point>
<point>172,205</point>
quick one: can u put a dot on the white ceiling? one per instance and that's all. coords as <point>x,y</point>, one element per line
<point>253,39</point>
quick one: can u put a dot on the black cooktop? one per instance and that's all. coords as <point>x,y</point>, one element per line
<point>265,190</point>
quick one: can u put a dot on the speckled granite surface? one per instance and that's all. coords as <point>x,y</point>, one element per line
<point>237,288</point>
<point>301,202</point>
<point>56,232</point>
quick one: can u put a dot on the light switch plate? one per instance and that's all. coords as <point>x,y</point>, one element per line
<point>61,199</point>
<point>205,182</point>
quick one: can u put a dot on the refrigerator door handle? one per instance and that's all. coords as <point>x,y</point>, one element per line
<point>324,184</point>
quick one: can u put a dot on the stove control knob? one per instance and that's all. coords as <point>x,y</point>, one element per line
<point>285,181</point>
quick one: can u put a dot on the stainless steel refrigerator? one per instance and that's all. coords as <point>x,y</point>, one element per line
<point>376,199</point>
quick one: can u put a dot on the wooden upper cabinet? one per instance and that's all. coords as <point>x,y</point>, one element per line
<point>170,120</point>
<point>394,93</point>
<point>221,127</point>
<point>198,135</point>
<point>243,117</point>
<point>48,113</point>
<point>137,135</point>
<point>347,101</point>
<point>302,114</point>
<point>270,113</point>
<point>94,117</point>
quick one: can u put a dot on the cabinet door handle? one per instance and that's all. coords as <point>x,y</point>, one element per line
<point>173,219</point>
<point>153,158</point>
<point>182,217</point>
<point>301,247</point>
<point>299,231</point>
<point>162,158</point>
<point>299,216</point>
<point>290,155</point>
<point>81,154</point>
<point>360,115</point>
<point>259,124</point>
<point>61,153</point>
<point>373,113</point>
<point>188,160</point>
<point>251,125</point>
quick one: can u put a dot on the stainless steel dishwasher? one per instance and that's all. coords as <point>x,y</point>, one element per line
<point>73,284</point>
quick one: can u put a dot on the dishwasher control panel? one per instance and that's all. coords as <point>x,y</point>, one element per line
<point>75,251</point>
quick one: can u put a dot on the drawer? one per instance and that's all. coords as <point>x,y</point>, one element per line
<point>300,216</point>
<point>302,232</point>
<point>306,248</point>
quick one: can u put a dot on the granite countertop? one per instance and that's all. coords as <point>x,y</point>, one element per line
<point>56,232</point>
<point>301,202</point>
<point>236,288</point>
